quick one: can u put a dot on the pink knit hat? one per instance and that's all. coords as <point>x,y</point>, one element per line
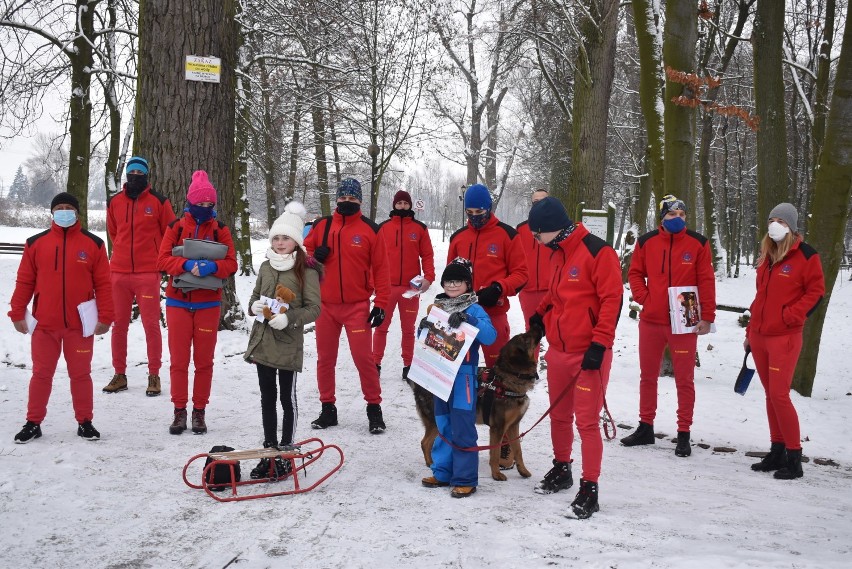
<point>200,189</point>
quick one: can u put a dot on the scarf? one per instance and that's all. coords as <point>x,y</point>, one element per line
<point>560,237</point>
<point>457,304</point>
<point>281,262</point>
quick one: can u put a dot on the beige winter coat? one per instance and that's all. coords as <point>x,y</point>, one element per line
<point>283,349</point>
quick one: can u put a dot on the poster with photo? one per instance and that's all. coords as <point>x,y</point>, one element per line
<point>439,351</point>
<point>684,309</point>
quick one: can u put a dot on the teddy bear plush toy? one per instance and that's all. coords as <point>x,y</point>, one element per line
<point>283,295</point>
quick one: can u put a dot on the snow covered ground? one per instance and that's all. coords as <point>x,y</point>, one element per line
<point>121,502</point>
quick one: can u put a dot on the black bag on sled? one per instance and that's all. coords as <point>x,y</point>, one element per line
<point>219,478</point>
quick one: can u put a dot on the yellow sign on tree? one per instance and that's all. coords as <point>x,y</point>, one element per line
<point>207,69</point>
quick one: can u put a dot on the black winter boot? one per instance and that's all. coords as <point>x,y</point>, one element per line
<point>405,372</point>
<point>374,416</point>
<point>586,502</point>
<point>327,418</point>
<point>683,448</point>
<point>777,458</point>
<point>557,478</point>
<point>793,468</point>
<point>643,435</point>
<point>179,423</point>
<point>199,426</point>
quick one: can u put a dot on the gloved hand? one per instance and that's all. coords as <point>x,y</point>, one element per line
<point>279,321</point>
<point>377,316</point>
<point>424,323</point>
<point>593,357</point>
<point>489,296</point>
<point>207,268</point>
<point>321,253</point>
<point>537,320</point>
<point>257,307</point>
<point>188,265</point>
<point>456,318</point>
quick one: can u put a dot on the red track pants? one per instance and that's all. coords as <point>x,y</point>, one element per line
<point>581,404</point>
<point>501,324</point>
<point>354,317</point>
<point>653,339</point>
<point>529,302</point>
<point>46,347</point>
<point>192,331</point>
<point>775,359</point>
<point>145,288</point>
<point>408,308</point>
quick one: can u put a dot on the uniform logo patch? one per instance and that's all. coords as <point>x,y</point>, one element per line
<point>574,272</point>
<point>82,255</point>
<point>492,248</point>
<point>787,268</point>
<point>149,210</point>
<point>687,257</point>
<point>412,236</point>
<point>356,239</point>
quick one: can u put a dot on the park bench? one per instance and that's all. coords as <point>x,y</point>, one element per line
<point>12,248</point>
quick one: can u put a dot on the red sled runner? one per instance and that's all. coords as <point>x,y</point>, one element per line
<point>306,453</point>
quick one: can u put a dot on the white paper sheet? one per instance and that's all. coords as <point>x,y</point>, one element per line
<point>31,321</point>
<point>88,316</point>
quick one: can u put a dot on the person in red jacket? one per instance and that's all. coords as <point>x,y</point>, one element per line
<point>410,254</point>
<point>497,256</point>
<point>579,314</point>
<point>790,285</point>
<point>62,268</point>
<point>137,218</point>
<point>192,316</point>
<point>538,264</point>
<point>356,263</point>
<point>669,256</point>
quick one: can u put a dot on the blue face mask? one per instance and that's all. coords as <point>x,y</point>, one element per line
<point>64,217</point>
<point>479,221</point>
<point>674,225</point>
<point>201,213</point>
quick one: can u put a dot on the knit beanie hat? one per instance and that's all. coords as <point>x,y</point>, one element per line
<point>669,203</point>
<point>788,213</point>
<point>65,198</point>
<point>459,269</point>
<point>200,189</point>
<point>402,196</point>
<point>137,163</point>
<point>548,214</point>
<point>477,196</point>
<point>291,223</point>
<point>349,187</point>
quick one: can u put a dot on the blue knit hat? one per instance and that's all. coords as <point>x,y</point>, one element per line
<point>137,163</point>
<point>349,187</point>
<point>477,196</point>
<point>547,215</point>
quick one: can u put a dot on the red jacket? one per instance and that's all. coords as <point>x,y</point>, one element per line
<point>663,259</point>
<point>60,269</point>
<point>407,242</point>
<point>583,302</point>
<point>496,253</point>
<point>356,252</point>
<point>538,259</point>
<point>186,228</point>
<point>787,292</point>
<point>136,228</point>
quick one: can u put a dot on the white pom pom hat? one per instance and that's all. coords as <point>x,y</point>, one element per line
<point>291,223</point>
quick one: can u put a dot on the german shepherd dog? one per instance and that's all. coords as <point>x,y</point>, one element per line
<point>513,375</point>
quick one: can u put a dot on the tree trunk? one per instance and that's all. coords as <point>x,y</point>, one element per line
<point>560,166</point>
<point>335,151</point>
<point>821,88</point>
<point>270,149</point>
<point>183,126</point>
<point>294,149</point>
<point>830,207</point>
<point>319,153</point>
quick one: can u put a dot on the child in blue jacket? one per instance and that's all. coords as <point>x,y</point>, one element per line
<point>456,417</point>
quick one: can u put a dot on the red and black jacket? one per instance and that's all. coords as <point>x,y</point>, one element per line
<point>538,259</point>
<point>61,268</point>
<point>787,292</point>
<point>408,243</point>
<point>136,228</point>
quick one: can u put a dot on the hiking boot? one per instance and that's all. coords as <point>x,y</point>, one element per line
<point>683,448</point>
<point>261,470</point>
<point>374,416</point>
<point>586,502</point>
<point>153,385</point>
<point>29,432</point>
<point>793,468</point>
<point>199,427</point>
<point>777,458</point>
<point>179,424</point>
<point>643,435</point>
<point>116,384</point>
<point>327,418</point>
<point>405,372</point>
<point>88,431</point>
<point>507,461</point>
<point>558,478</point>
<point>462,491</point>
<point>432,482</point>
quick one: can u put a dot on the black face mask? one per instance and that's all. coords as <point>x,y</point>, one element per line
<point>348,208</point>
<point>136,183</point>
<point>402,213</point>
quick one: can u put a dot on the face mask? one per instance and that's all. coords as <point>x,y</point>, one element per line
<point>135,184</point>
<point>778,232</point>
<point>201,213</point>
<point>64,217</point>
<point>348,208</point>
<point>674,225</point>
<point>479,221</point>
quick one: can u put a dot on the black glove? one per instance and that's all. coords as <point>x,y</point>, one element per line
<point>321,253</point>
<point>593,357</point>
<point>456,318</point>
<point>377,316</point>
<point>424,323</point>
<point>537,320</point>
<point>489,296</point>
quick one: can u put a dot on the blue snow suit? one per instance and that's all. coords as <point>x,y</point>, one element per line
<point>456,417</point>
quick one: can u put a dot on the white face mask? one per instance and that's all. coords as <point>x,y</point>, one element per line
<point>777,232</point>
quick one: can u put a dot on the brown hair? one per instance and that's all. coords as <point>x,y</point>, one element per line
<point>299,266</point>
<point>772,251</point>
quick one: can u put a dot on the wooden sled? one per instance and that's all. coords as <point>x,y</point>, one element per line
<point>309,452</point>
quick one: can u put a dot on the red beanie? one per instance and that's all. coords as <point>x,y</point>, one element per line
<point>402,196</point>
<point>200,189</point>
